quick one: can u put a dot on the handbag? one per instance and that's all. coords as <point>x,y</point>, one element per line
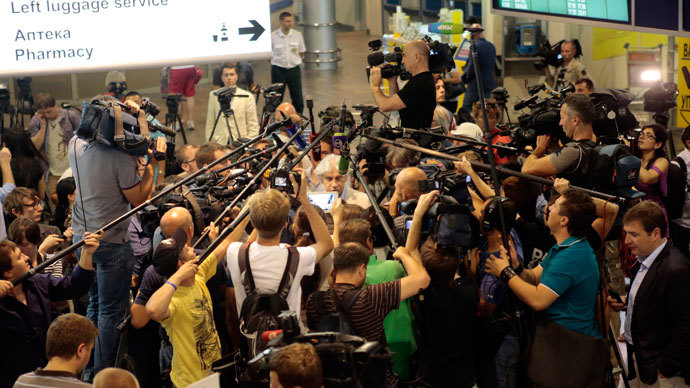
<point>560,357</point>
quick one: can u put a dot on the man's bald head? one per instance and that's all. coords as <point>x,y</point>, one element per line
<point>419,47</point>
<point>115,378</point>
<point>177,217</point>
<point>407,183</point>
<point>416,56</point>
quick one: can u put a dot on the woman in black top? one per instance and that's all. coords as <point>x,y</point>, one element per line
<point>27,163</point>
<point>66,192</point>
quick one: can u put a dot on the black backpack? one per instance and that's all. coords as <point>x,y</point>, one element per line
<point>605,168</point>
<point>677,187</point>
<point>339,321</point>
<point>259,312</point>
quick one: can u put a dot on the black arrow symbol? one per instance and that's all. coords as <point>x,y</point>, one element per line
<point>256,29</point>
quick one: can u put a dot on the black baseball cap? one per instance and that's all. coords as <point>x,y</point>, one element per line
<point>168,252</point>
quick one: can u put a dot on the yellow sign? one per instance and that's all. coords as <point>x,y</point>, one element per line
<point>683,82</point>
<point>608,43</point>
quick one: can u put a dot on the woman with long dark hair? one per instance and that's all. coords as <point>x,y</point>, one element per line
<point>27,163</point>
<point>652,180</point>
<point>66,191</point>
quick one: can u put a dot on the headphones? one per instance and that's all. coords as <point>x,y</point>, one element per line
<point>492,218</point>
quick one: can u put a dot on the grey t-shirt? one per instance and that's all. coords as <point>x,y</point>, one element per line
<point>101,173</point>
<point>566,159</point>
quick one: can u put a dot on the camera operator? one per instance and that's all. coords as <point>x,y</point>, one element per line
<point>107,183</point>
<point>577,115</point>
<point>159,169</point>
<point>570,71</point>
<point>564,286</point>
<point>243,123</point>
<point>296,366</point>
<point>447,311</point>
<point>406,188</point>
<point>416,101</point>
<point>332,180</point>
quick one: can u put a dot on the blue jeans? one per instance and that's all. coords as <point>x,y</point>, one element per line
<point>507,362</point>
<point>108,300</point>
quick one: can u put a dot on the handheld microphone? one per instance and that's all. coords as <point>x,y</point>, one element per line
<point>446,28</point>
<point>343,165</point>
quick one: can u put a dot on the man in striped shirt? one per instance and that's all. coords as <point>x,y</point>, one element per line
<point>377,300</point>
<point>68,347</point>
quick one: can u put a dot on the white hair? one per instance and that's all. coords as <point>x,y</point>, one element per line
<point>327,164</point>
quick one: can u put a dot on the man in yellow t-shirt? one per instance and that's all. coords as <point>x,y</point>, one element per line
<point>183,304</point>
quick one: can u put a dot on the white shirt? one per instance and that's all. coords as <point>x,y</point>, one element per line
<point>645,264</point>
<point>244,109</point>
<point>268,264</point>
<point>287,48</point>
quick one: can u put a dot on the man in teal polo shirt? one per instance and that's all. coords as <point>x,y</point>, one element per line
<point>565,285</point>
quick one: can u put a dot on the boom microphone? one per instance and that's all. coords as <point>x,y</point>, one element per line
<point>270,128</point>
<point>167,131</point>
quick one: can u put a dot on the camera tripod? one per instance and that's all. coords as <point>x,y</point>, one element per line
<point>226,113</point>
<point>172,117</point>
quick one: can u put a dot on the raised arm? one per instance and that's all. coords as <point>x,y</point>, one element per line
<point>417,278</point>
<point>324,243</point>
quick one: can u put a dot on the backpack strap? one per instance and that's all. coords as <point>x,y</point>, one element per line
<point>245,269</point>
<point>289,273</point>
<point>579,145</point>
<point>350,298</point>
<point>318,302</point>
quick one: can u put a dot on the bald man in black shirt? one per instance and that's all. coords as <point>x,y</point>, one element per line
<point>417,99</point>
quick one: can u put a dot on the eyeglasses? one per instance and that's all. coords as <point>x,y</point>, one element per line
<point>33,205</point>
<point>189,161</point>
<point>647,135</point>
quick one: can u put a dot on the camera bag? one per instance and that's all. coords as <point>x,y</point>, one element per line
<point>259,312</point>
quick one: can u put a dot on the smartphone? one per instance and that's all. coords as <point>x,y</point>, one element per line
<point>408,224</point>
<point>615,296</point>
<point>324,200</point>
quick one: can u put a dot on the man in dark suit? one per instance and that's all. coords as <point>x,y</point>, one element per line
<point>657,325</point>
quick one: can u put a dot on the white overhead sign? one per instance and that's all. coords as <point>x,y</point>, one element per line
<point>68,36</point>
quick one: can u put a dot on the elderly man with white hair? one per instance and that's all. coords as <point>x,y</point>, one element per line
<point>327,173</point>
